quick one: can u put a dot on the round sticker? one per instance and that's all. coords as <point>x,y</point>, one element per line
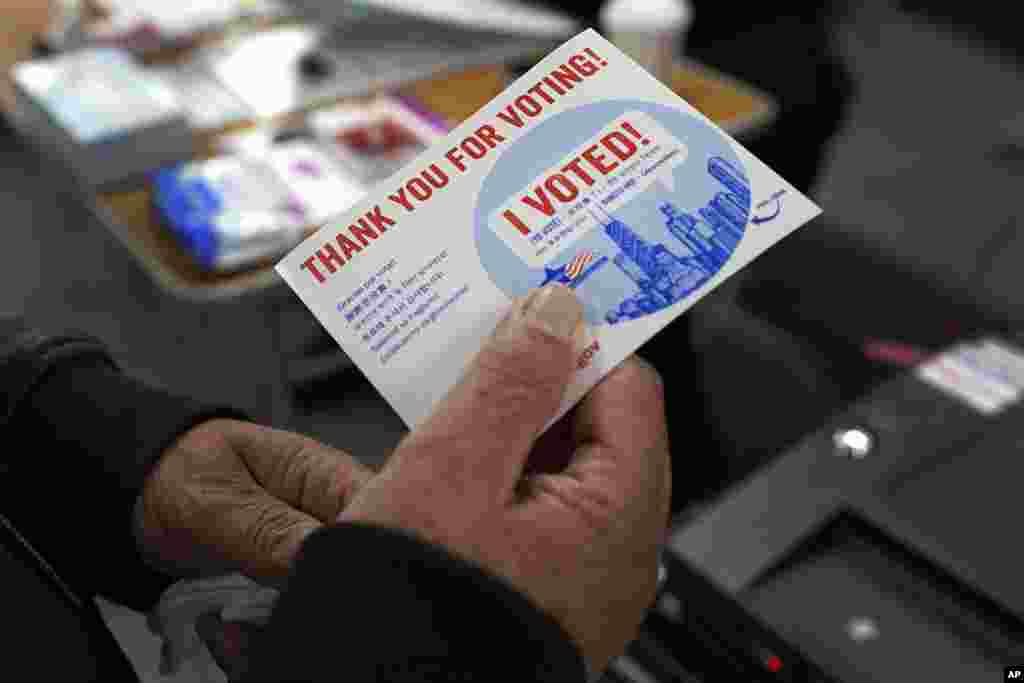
<point>633,205</point>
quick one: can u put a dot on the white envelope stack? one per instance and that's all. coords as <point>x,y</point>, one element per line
<point>103,114</point>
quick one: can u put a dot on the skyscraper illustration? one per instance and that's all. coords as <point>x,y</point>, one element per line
<point>661,277</point>
<point>728,206</point>
<point>632,271</point>
<point>706,235</point>
<point>726,173</point>
<point>717,221</point>
<point>723,240</point>
<point>698,238</point>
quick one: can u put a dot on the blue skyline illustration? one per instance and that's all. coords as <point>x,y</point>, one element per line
<point>712,167</point>
<point>706,239</point>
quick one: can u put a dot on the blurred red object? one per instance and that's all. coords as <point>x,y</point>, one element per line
<point>385,138</point>
<point>895,353</point>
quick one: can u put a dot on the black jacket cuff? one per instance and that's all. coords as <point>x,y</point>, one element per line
<point>92,435</point>
<point>373,604</point>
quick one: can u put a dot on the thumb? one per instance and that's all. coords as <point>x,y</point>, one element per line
<point>480,434</point>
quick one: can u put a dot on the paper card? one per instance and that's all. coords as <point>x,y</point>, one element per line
<point>988,370</point>
<point>586,171</point>
<point>1009,360</point>
<point>977,374</point>
<point>950,375</point>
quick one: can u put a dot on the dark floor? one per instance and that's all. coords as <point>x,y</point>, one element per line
<point>931,108</point>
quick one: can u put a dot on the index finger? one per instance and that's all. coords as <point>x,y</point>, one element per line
<point>622,432</point>
<point>625,410</point>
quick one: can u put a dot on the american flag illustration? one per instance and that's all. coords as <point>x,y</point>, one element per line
<point>578,264</point>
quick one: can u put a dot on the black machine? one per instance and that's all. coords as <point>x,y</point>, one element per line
<point>885,547</point>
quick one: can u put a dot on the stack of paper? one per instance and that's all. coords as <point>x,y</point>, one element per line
<point>207,103</point>
<point>103,113</point>
<point>232,211</point>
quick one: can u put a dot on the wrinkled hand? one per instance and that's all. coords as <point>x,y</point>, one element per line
<point>231,496</point>
<point>575,521</point>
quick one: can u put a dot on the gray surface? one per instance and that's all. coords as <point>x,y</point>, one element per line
<point>913,644</point>
<point>964,513</point>
<point>930,106</point>
<point>763,518</point>
<point>918,169</point>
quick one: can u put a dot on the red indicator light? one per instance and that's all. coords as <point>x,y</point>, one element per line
<point>774,664</point>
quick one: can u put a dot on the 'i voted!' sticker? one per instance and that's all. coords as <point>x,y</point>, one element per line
<point>633,205</point>
<point>605,173</point>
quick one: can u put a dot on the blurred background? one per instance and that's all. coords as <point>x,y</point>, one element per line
<point>904,121</point>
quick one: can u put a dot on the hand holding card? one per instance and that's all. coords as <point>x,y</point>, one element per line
<point>583,541</point>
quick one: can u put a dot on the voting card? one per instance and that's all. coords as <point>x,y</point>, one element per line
<point>588,172</point>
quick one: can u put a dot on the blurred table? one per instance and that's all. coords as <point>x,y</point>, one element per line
<point>130,217</point>
<point>455,97</point>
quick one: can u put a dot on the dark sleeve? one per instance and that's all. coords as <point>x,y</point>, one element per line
<point>373,604</point>
<point>80,437</point>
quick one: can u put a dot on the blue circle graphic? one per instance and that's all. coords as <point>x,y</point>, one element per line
<point>645,255</point>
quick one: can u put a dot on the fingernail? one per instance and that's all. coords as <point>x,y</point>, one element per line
<point>555,307</point>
